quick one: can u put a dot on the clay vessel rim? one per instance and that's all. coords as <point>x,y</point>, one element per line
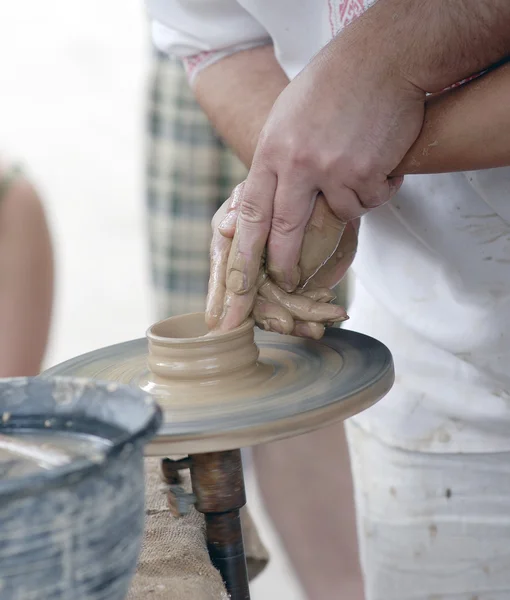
<point>244,328</point>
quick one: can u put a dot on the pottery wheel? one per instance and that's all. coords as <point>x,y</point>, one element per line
<point>305,385</point>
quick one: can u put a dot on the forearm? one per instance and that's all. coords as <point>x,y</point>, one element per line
<point>237,94</point>
<point>465,129</point>
<point>432,43</point>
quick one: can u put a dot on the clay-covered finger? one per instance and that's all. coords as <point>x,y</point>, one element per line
<point>252,229</point>
<point>301,307</point>
<point>227,225</point>
<point>220,248</point>
<point>313,331</point>
<point>236,309</point>
<point>243,269</point>
<point>271,317</point>
<point>319,294</point>
<point>293,204</point>
<point>220,214</point>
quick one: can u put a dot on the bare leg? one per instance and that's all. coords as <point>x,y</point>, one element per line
<point>307,488</point>
<point>26,280</point>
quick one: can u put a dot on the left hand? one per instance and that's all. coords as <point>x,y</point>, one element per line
<point>340,127</point>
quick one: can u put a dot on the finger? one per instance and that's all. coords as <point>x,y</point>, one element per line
<point>344,202</point>
<point>251,233</point>
<point>220,249</point>
<point>301,307</point>
<point>361,195</point>
<point>271,317</point>
<point>227,225</point>
<point>394,184</point>
<point>373,194</point>
<point>293,206</point>
<point>313,331</point>
<point>236,309</point>
<point>220,214</point>
<point>219,253</point>
<point>323,294</point>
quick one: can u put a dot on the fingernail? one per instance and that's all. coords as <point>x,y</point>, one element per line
<point>395,183</point>
<point>333,313</point>
<point>290,284</point>
<point>236,282</point>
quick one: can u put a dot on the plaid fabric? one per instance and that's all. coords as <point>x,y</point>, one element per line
<point>190,173</point>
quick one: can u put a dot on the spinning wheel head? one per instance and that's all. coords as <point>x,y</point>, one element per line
<point>221,392</point>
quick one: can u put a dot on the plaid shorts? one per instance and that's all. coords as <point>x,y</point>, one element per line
<point>190,173</point>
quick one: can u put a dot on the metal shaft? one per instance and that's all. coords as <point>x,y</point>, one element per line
<point>218,485</point>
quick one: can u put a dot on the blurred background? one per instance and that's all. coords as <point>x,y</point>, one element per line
<point>74,79</point>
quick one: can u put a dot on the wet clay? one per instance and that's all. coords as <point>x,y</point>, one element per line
<point>327,242</point>
<point>26,453</point>
<point>186,360</point>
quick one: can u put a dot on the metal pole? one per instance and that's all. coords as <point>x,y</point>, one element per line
<point>218,484</point>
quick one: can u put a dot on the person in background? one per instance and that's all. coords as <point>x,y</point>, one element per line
<point>189,173</point>
<point>26,275</point>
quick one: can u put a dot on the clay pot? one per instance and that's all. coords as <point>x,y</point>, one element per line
<point>182,350</point>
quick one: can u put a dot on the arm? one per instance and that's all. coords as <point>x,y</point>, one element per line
<point>432,43</point>
<point>238,109</point>
<point>238,93</point>
<point>347,120</point>
<point>445,144</point>
<point>229,60</point>
<point>465,129</point>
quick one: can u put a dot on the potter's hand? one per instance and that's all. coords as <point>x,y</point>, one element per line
<point>328,249</point>
<point>303,313</point>
<point>220,249</point>
<point>340,127</point>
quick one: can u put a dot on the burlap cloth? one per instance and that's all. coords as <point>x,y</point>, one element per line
<point>174,564</point>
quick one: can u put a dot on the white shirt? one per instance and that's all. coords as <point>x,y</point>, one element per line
<point>433,266</point>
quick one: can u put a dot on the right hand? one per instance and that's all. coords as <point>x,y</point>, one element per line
<point>328,250</point>
<point>340,127</point>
